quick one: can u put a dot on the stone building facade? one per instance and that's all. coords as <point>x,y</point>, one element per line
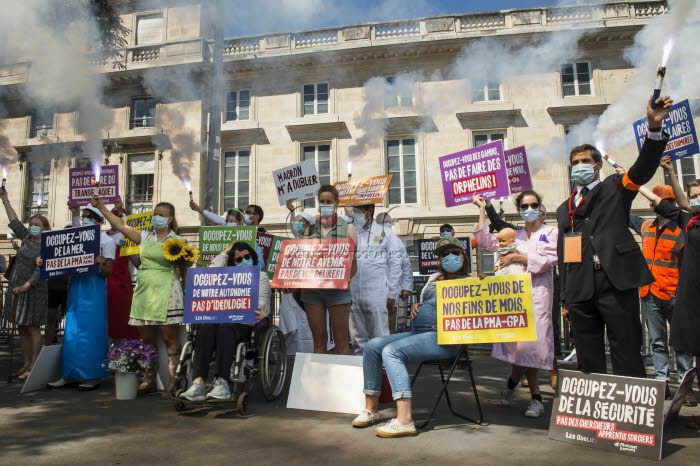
<point>292,97</point>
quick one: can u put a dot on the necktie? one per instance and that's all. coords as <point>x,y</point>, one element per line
<point>583,193</point>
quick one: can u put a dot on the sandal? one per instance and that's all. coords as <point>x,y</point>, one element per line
<point>19,372</point>
<point>25,375</point>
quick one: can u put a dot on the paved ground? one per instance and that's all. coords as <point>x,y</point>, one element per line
<point>70,427</point>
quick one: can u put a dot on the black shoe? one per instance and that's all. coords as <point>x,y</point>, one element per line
<point>668,393</point>
<point>88,386</point>
<point>690,400</point>
<point>61,383</point>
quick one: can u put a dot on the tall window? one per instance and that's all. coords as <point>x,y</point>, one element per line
<point>139,197</point>
<point>83,162</point>
<point>321,154</point>
<point>143,112</point>
<point>315,98</point>
<point>238,105</point>
<point>397,93</point>
<point>485,138</point>
<point>236,182</point>
<point>41,124</point>
<point>576,78</point>
<point>401,163</point>
<point>149,29</point>
<point>685,171</point>
<point>486,91</point>
<point>37,191</point>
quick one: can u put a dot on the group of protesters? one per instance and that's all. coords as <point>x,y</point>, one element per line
<point>601,275</point>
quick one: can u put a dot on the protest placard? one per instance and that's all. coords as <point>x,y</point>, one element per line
<point>518,170</point>
<point>273,257</point>
<point>222,295</point>
<point>81,185</point>
<point>141,222</point>
<point>362,191</point>
<point>609,412</point>
<point>428,264</point>
<point>264,240</point>
<point>488,310</point>
<point>314,263</point>
<point>213,240</point>
<point>479,170</point>
<point>296,182</point>
<point>72,251</point>
<point>682,141</point>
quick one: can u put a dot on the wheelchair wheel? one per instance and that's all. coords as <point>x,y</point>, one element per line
<point>273,363</point>
<point>243,403</point>
<point>179,405</point>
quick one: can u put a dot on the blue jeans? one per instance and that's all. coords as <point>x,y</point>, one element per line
<point>656,316</point>
<point>395,351</point>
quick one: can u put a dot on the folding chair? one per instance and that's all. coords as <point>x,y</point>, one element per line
<point>462,361</point>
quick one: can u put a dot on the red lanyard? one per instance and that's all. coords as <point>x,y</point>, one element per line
<point>691,222</point>
<point>572,210</point>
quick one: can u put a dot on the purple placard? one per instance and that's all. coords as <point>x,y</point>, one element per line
<point>222,295</point>
<point>479,170</point>
<point>81,187</point>
<point>518,170</point>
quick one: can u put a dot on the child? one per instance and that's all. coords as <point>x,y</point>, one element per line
<point>507,244</point>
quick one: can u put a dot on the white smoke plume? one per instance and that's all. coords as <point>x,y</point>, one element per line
<point>681,23</point>
<point>57,38</point>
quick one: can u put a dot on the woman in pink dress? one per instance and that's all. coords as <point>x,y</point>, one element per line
<point>541,241</point>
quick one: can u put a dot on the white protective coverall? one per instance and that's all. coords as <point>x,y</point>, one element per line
<point>378,278</point>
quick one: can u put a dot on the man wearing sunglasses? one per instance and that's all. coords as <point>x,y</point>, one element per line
<point>600,262</point>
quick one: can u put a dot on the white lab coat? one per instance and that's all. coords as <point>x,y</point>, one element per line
<point>378,278</point>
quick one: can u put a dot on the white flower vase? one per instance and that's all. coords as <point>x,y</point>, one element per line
<point>127,385</point>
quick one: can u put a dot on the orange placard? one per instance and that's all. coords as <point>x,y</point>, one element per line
<point>363,191</point>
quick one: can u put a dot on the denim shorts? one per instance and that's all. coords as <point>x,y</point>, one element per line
<point>326,298</point>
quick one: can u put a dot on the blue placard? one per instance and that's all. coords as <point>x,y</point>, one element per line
<point>72,251</point>
<point>221,295</point>
<point>683,141</point>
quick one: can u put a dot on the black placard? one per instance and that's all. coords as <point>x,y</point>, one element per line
<point>428,264</point>
<point>609,412</point>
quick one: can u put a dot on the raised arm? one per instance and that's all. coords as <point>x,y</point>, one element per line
<point>681,199</point>
<point>130,233</point>
<point>646,192</point>
<point>497,223</point>
<point>644,168</point>
<point>11,214</point>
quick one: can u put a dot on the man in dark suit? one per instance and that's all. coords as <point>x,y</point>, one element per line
<point>600,263</point>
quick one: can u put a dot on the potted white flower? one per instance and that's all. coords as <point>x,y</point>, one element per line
<point>127,359</point>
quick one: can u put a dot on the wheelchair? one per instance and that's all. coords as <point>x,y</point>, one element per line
<point>261,359</point>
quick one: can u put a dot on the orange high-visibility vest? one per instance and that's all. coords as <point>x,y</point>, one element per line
<point>661,255</point>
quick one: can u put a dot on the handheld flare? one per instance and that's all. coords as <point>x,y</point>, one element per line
<point>191,197</point>
<point>4,180</point>
<point>95,187</point>
<point>611,161</point>
<point>660,75</point>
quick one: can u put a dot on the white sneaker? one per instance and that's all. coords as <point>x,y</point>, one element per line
<point>536,409</point>
<point>506,396</point>
<point>366,418</point>
<point>394,429</point>
<point>219,390</point>
<point>196,392</point>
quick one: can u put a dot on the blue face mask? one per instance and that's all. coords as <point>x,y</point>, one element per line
<point>87,221</point>
<point>34,230</point>
<point>159,222</point>
<point>529,214</point>
<point>245,262</point>
<point>582,174</point>
<point>231,224</point>
<point>695,205</point>
<point>359,220</point>
<point>452,263</point>
<point>445,234</point>
<point>247,220</point>
<point>326,210</point>
<point>298,227</point>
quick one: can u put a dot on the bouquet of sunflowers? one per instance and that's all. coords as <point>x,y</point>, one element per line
<point>179,252</point>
